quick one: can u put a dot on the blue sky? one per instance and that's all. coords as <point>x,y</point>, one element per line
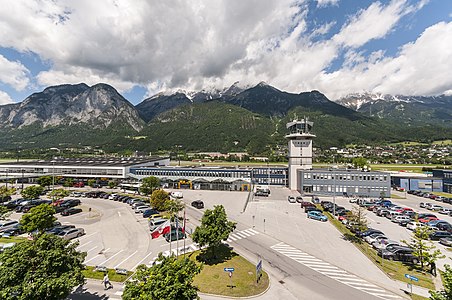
<point>144,47</point>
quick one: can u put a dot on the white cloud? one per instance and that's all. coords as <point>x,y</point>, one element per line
<point>192,45</point>
<point>13,73</point>
<point>324,3</point>
<point>5,98</point>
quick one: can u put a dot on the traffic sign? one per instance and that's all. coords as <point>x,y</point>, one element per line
<point>411,277</point>
<point>258,270</point>
<point>229,269</point>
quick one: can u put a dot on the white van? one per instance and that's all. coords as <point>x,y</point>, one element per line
<point>8,225</point>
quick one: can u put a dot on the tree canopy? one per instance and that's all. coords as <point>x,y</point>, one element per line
<point>422,247</point>
<point>32,192</point>
<point>445,294</point>
<point>47,268</point>
<point>59,193</point>
<point>4,191</point>
<point>45,180</point>
<point>4,212</point>
<point>171,278</point>
<point>159,199</point>
<point>214,228</point>
<point>149,185</point>
<point>174,206</point>
<point>38,218</point>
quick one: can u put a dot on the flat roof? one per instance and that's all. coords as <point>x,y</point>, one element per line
<point>88,161</point>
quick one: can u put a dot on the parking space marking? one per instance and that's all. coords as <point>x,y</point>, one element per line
<point>85,236</point>
<point>91,249</point>
<point>114,255</point>
<point>87,261</point>
<point>141,261</point>
<point>80,246</point>
<point>125,259</point>
<point>332,271</point>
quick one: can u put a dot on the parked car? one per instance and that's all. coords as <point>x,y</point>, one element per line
<point>71,203</point>
<point>373,237</point>
<point>150,213</point>
<point>413,225</point>
<point>71,233</point>
<point>299,199</point>
<point>446,241</point>
<point>384,243</point>
<point>427,219</point>
<point>435,236</point>
<point>317,215</point>
<point>260,194</point>
<point>399,253</point>
<point>306,204</point>
<point>13,231</point>
<point>382,212</point>
<point>308,209</point>
<point>140,209</point>
<point>174,236</point>
<point>138,203</point>
<point>155,223</point>
<point>436,207</point>
<point>367,232</point>
<point>198,204</point>
<point>399,219</point>
<point>291,199</point>
<point>57,229</point>
<point>422,204</point>
<point>445,211</point>
<point>71,211</point>
<point>8,225</point>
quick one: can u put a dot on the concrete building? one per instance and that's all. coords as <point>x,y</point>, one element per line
<point>104,167</point>
<point>446,176</point>
<point>299,149</point>
<point>347,182</point>
<point>421,183</point>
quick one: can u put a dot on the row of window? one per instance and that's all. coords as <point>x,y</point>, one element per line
<point>349,189</point>
<point>178,173</point>
<point>342,177</point>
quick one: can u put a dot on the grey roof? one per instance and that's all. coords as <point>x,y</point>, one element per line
<point>88,161</point>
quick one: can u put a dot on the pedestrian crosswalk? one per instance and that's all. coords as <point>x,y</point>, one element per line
<point>333,271</point>
<point>238,235</point>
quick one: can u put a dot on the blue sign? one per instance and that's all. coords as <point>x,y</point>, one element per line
<point>229,269</point>
<point>411,277</point>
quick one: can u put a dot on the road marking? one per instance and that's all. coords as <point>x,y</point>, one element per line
<point>252,230</point>
<point>80,246</point>
<point>104,262</point>
<point>87,261</point>
<point>91,249</point>
<point>85,236</point>
<point>125,259</point>
<point>240,234</point>
<point>139,263</point>
<point>237,237</point>
<point>231,238</point>
<point>332,271</point>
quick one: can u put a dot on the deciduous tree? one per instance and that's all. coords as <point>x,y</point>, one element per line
<point>159,199</point>
<point>357,219</point>
<point>45,180</point>
<point>38,218</point>
<point>214,228</point>
<point>445,294</point>
<point>4,212</point>
<point>47,268</point>
<point>32,192</point>
<point>174,206</point>
<point>171,279</point>
<point>59,193</point>
<point>149,185</point>
<point>422,247</point>
<point>4,191</point>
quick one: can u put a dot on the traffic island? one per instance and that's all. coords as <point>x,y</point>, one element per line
<point>113,275</point>
<point>228,275</point>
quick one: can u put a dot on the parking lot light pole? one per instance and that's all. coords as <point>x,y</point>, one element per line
<point>334,194</point>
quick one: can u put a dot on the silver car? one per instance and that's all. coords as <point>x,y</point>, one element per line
<point>8,225</point>
<point>141,208</point>
<point>72,233</point>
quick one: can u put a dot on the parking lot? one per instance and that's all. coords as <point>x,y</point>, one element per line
<point>398,233</point>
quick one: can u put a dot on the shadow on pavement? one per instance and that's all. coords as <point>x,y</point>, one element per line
<point>82,293</point>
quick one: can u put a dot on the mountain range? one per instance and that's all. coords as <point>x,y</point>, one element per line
<point>236,118</point>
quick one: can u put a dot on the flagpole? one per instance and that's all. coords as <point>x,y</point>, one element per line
<point>184,232</point>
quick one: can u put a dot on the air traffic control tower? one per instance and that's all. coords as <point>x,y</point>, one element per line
<point>300,148</point>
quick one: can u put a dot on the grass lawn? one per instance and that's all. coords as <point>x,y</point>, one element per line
<point>90,273</point>
<point>14,239</point>
<point>214,280</point>
<point>394,269</point>
<point>417,297</point>
<point>443,142</point>
<point>447,195</point>
<point>393,196</point>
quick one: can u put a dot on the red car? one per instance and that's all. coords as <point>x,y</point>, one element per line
<point>427,219</point>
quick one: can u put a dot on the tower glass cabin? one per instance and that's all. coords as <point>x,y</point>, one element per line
<point>300,148</point>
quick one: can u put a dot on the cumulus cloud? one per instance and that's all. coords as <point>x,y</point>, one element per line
<point>5,98</point>
<point>13,73</point>
<point>323,3</point>
<point>194,44</point>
